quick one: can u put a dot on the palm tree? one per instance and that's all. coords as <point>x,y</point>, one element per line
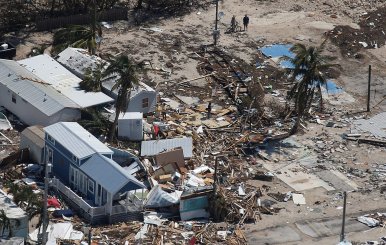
<point>95,122</point>
<point>79,36</point>
<point>35,207</point>
<point>308,73</point>
<point>93,77</point>
<point>125,72</point>
<point>5,223</point>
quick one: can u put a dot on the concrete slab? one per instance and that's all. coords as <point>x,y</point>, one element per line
<point>338,180</point>
<point>375,125</point>
<point>324,228</point>
<point>295,176</point>
<point>274,235</point>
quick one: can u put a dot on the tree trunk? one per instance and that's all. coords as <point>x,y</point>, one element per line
<point>114,126</point>
<point>321,97</point>
<point>295,128</point>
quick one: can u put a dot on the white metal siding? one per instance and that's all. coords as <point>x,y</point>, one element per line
<point>31,115</point>
<point>135,104</point>
<point>36,152</point>
<point>131,128</point>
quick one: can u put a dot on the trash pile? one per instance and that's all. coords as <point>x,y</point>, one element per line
<point>373,220</point>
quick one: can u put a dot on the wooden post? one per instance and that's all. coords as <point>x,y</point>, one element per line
<point>368,90</point>
<point>344,216</point>
<point>215,188</point>
<point>216,25</point>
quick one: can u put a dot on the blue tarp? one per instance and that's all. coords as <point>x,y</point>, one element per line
<point>277,51</point>
<point>280,50</point>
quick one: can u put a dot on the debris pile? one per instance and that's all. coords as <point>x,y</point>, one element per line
<point>370,35</point>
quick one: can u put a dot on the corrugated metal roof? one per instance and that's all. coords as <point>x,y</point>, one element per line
<point>29,87</point>
<point>109,83</point>
<point>153,147</point>
<point>109,174</point>
<point>35,134</point>
<point>78,60</point>
<point>76,139</point>
<point>61,79</point>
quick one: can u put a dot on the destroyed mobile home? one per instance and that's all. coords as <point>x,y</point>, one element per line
<point>190,176</point>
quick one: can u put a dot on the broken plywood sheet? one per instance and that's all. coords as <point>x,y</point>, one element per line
<point>172,156</point>
<point>194,119</point>
<point>294,175</point>
<point>172,103</point>
<point>375,125</point>
<point>188,100</point>
<point>212,123</point>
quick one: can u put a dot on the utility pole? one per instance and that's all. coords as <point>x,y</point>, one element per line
<point>93,28</point>
<point>342,238</point>
<point>368,90</point>
<point>45,211</point>
<point>216,31</point>
<point>215,188</point>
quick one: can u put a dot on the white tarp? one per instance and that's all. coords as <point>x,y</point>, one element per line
<point>158,198</point>
<point>371,222</point>
<point>58,230</point>
<point>4,123</point>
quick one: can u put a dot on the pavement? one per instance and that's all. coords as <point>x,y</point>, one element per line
<point>318,231</point>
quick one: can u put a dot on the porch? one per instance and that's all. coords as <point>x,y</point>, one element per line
<point>128,209</point>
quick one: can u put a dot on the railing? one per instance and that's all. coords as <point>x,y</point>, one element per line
<point>94,211</point>
<point>118,209</point>
<point>82,204</point>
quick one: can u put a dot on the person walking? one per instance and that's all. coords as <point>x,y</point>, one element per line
<point>209,110</point>
<point>246,22</point>
<point>233,23</point>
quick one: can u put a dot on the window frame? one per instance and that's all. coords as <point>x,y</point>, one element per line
<point>74,159</point>
<point>145,102</point>
<point>13,97</point>
<point>50,150</point>
<point>50,139</point>
<point>92,185</point>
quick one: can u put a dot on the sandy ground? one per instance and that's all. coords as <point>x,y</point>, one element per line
<point>291,21</point>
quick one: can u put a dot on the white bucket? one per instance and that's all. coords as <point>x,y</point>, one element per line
<point>4,46</point>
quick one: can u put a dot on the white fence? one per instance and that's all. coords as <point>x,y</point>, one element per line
<point>93,211</point>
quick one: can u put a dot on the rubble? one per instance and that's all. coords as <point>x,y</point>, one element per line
<point>212,154</point>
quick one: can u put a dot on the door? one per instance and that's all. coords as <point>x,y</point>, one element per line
<point>98,196</point>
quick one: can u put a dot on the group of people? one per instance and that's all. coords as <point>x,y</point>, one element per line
<point>245,22</point>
